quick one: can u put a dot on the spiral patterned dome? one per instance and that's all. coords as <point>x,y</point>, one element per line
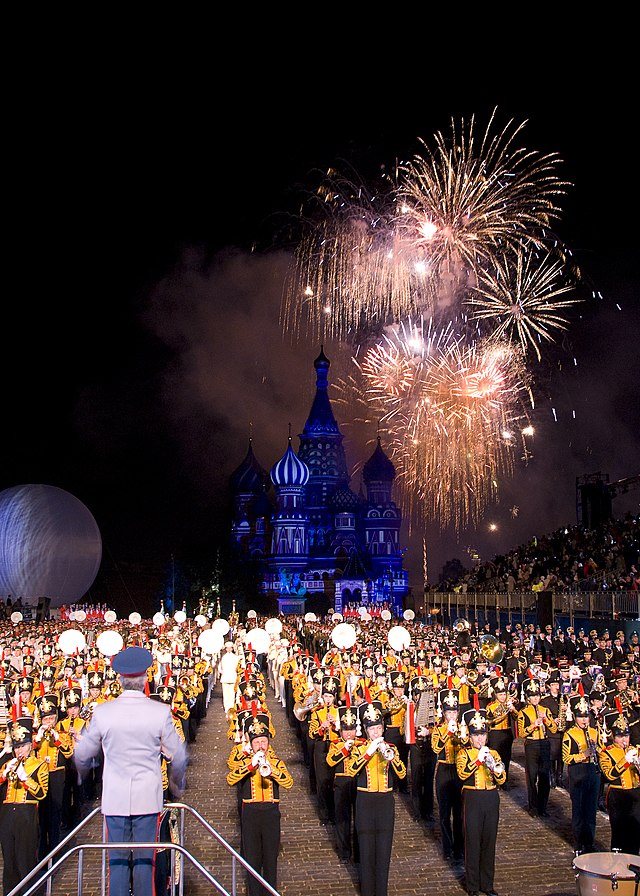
<point>290,470</point>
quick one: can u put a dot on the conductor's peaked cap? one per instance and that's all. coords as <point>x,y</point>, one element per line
<point>132,661</point>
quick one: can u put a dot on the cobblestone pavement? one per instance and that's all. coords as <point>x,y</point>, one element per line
<point>534,856</point>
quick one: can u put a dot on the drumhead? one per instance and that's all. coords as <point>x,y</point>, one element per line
<point>604,864</point>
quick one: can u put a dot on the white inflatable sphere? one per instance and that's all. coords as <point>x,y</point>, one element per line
<point>50,544</point>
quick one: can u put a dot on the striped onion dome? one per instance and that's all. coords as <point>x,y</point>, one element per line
<point>290,470</point>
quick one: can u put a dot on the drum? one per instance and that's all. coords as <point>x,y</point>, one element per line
<point>603,873</point>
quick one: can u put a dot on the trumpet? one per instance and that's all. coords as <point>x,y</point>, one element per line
<point>386,751</point>
<point>265,767</point>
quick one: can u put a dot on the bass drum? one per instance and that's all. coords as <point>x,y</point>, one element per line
<point>604,873</point>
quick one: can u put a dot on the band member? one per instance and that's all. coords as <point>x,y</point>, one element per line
<point>344,785</point>
<point>396,709</point>
<point>446,739</point>
<point>323,726</point>
<point>371,763</point>
<point>557,704</point>
<point>580,756</point>
<point>421,757</point>
<point>481,770</point>
<point>620,765</point>
<point>535,722</point>
<point>502,713</point>
<point>27,779</point>
<point>260,775</point>
<point>54,747</point>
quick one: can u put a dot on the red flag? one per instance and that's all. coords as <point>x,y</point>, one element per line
<point>410,723</point>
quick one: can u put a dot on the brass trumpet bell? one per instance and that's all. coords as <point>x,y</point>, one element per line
<point>461,625</point>
<point>491,649</point>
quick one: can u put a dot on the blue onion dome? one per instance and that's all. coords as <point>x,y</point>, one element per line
<point>249,477</point>
<point>343,500</point>
<point>378,468</point>
<point>290,470</point>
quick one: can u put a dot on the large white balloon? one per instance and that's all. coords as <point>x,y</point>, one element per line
<point>50,544</point>
<point>398,637</point>
<point>344,635</point>
<point>72,641</point>
<point>210,641</point>
<point>109,642</point>
<point>221,626</point>
<point>258,639</point>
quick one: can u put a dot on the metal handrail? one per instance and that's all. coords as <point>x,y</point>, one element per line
<point>52,867</point>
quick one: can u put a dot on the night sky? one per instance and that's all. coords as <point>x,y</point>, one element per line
<point>142,345</point>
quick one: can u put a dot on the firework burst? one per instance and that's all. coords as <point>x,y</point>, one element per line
<point>522,299</point>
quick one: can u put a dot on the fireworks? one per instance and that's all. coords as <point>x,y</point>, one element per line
<point>522,299</point>
<point>422,240</point>
<point>460,237</point>
<point>449,409</point>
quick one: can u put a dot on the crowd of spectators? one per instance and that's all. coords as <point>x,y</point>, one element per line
<point>569,559</point>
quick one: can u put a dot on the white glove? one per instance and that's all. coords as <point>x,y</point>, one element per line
<point>423,731</point>
<point>630,755</point>
<point>21,773</point>
<point>452,727</point>
<point>246,749</point>
<point>40,734</point>
<point>348,744</point>
<point>483,752</point>
<point>490,762</point>
<point>373,746</point>
<point>11,766</point>
<point>257,758</point>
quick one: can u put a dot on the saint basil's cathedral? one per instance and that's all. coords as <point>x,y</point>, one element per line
<point>314,542</point>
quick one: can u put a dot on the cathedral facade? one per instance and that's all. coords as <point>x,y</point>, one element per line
<point>308,533</point>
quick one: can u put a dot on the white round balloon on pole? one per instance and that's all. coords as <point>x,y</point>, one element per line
<point>80,615</point>
<point>221,626</point>
<point>200,620</point>
<point>409,615</point>
<point>258,640</point>
<point>398,637</point>
<point>273,626</point>
<point>135,618</point>
<point>210,642</point>
<point>158,619</point>
<point>71,641</point>
<point>110,617</point>
<point>109,642</point>
<point>344,636</point>
<point>180,616</point>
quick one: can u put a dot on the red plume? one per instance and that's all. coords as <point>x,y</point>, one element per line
<point>367,694</point>
<point>42,688</point>
<point>530,673</point>
<point>167,680</point>
<point>437,650</point>
<point>619,705</point>
<point>70,683</point>
<point>476,702</point>
<point>580,689</point>
<point>347,699</point>
<point>243,702</point>
<point>254,709</point>
<point>14,712</point>
<point>316,660</point>
<point>146,687</point>
<point>449,682</point>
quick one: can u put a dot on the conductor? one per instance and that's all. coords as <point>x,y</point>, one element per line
<point>133,732</point>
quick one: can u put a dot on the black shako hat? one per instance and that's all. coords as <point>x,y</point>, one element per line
<point>132,661</point>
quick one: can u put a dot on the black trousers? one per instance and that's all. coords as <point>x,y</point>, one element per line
<point>557,766</point>
<point>501,740</point>
<point>324,781</point>
<point>422,762</point>
<point>344,799</point>
<point>449,796</point>
<point>19,837</point>
<point>537,763</point>
<point>50,814</point>
<point>375,819</point>
<point>584,789</point>
<point>481,814</point>
<point>261,843</point>
<point>624,818</point>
